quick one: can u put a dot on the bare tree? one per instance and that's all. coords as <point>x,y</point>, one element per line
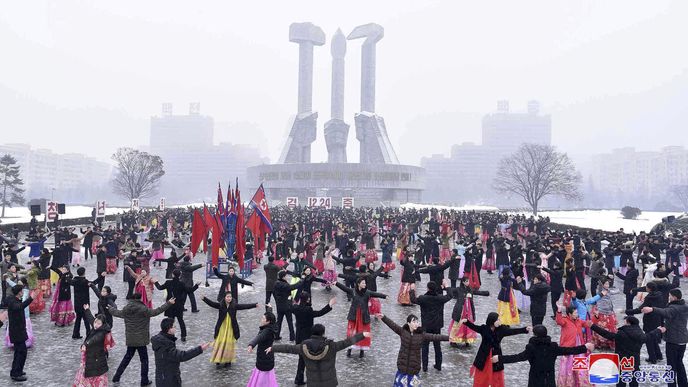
<point>681,193</point>
<point>138,173</point>
<point>12,192</point>
<point>536,171</point>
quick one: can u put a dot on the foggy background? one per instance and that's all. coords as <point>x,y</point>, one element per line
<point>85,76</point>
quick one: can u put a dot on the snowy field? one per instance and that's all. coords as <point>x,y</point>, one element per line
<point>608,220</point>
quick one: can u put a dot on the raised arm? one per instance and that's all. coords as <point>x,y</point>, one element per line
<point>434,337</point>
<point>217,273</point>
<point>379,295</point>
<point>603,332</point>
<point>245,306</point>
<point>344,288</point>
<point>158,310</point>
<point>210,303</point>
<point>392,325</point>
<point>523,356</point>
<point>571,350</point>
<point>286,348</point>
<point>339,345</point>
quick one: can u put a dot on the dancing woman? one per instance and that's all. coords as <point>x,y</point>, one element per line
<point>226,329</point>
<point>62,309</point>
<point>506,302</point>
<point>93,370</point>
<point>484,372</point>
<point>359,315</point>
<point>143,284</point>
<point>464,309</point>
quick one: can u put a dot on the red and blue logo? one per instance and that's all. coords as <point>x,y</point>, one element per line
<point>603,368</point>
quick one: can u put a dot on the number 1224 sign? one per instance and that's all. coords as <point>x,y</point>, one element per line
<point>320,201</point>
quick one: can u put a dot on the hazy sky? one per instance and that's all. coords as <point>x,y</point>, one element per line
<point>85,76</point>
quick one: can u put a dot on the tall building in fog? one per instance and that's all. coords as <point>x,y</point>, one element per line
<point>193,164</point>
<point>466,175</point>
<point>74,177</point>
<point>629,177</point>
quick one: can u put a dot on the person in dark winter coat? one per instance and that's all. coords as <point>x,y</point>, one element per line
<point>556,275</point>
<point>230,282</point>
<point>168,357</point>
<point>413,339</point>
<point>82,288</point>
<point>179,291</point>
<point>628,339</point>
<point>137,317</point>
<point>432,318</point>
<point>304,315</point>
<point>653,299</point>
<point>282,293</point>
<point>320,355</point>
<point>675,317</point>
<point>541,353</point>
<point>435,271</point>
<point>492,333</point>
<point>630,280</point>
<point>17,330</point>
<point>223,351</point>
<point>538,297</point>
<point>101,259</point>
<point>264,372</point>
<point>106,299</point>
<point>95,348</point>
<point>187,270</point>
<point>271,271</point>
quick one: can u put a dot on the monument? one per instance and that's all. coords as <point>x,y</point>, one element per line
<point>378,178</point>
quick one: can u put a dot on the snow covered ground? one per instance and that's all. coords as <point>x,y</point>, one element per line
<point>608,220</point>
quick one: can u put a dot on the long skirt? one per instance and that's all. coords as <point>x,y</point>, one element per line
<point>111,265</point>
<point>522,301</point>
<point>569,378</point>
<point>330,277</point>
<point>54,277</point>
<point>76,258</point>
<point>29,335</point>
<point>358,326</point>
<point>319,265</point>
<point>508,313</point>
<point>80,380</point>
<point>400,254</point>
<point>61,312</point>
<point>224,350</point>
<point>460,333</point>
<point>406,380</point>
<point>294,280</point>
<point>608,322</point>
<point>388,266</point>
<point>445,254</point>
<point>486,377</point>
<point>374,306</point>
<point>38,303</point>
<point>262,378</point>
<point>46,288</point>
<point>157,255</point>
<point>404,297</point>
<point>370,256</point>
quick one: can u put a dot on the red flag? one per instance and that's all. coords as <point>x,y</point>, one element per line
<point>198,232</point>
<point>240,246</point>
<point>220,208</point>
<point>259,222</point>
<point>209,224</point>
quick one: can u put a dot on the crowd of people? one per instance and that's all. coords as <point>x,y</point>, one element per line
<point>349,250</point>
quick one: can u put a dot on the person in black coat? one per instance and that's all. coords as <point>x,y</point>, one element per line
<point>82,288</point>
<point>101,259</point>
<point>541,353</point>
<point>304,315</point>
<point>460,294</point>
<point>132,261</point>
<point>349,264</point>
<point>630,280</point>
<point>432,319</point>
<point>359,304</point>
<point>454,267</point>
<point>227,308</point>
<point>172,263</point>
<point>282,293</point>
<point>168,357</point>
<point>307,279</point>
<point>556,275</point>
<point>187,270</point>
<point>178,290</point>
<point>230,282</point>
<point>95,346</point>
<point>17,331</point>
<point>105,299</point>
<point>653,299</point>
<point>265,360</point>
<point>492,333</point>
<point>628,340</point>
<point>538,297</point>
<point>436,273</point>
<point>271,271</point>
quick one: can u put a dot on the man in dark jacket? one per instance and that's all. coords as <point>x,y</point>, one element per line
<point>432,319</point>
<point>653,299</point>
<point>304,315</point>
<point>82,287</point>
<point>101,261</point>
<point>454,267</point>
<point>630,280</point>
<point>556,274</point>
<point>538,297</point>
<point>179,291</point>
<point>541,353</point>
<point>435,271</point>
<point>168,357</point>
<point>675,317</point>
<point>628,340</point>
<point>137,317</point>
<point>187,270</point>
<point>282,292</point>
<point>320,355</point>
<point>17,331</point>
<point>271,270</point>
